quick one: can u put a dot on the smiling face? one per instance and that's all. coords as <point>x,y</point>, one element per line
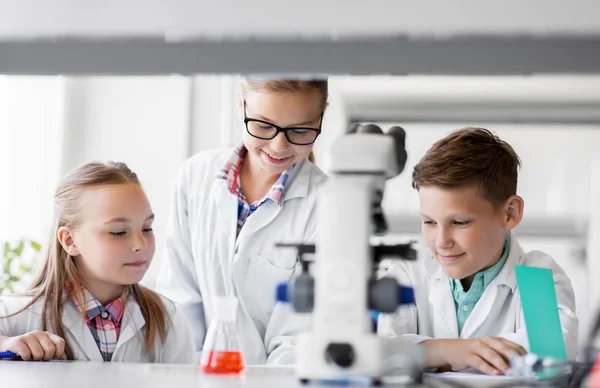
<point>284,109</point>
<point>464,231</point>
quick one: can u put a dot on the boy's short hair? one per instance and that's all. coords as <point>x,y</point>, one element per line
<point>470,156</point>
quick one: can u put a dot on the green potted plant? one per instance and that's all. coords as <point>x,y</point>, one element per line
<point>17,262</point>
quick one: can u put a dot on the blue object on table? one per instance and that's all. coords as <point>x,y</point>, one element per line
<point>8,355</point>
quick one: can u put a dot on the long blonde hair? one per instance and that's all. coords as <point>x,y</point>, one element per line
<point>60,269</point>
<point>288,86</point>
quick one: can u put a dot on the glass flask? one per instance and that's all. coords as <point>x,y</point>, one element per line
<point>221,352</point>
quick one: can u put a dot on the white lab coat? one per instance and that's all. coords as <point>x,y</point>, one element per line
<point>497,313</point>
<point>177,349</point>
<point>204,259</point>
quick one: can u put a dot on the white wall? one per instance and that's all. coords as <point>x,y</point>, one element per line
<point>216,121</point>
<point>143,122</point>
<point>31,128</point>
<point>308,18</point>
<point>422,98</point>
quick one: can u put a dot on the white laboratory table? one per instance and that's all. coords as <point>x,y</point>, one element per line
<point>64,374</point>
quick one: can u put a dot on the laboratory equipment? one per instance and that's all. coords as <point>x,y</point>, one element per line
<point>221,353</point>
<point>343,288</point>
<point>533,367</point>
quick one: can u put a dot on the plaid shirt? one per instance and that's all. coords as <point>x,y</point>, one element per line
<point>104,322</point>
<point>231,173</point>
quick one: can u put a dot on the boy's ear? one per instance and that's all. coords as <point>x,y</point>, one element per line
<point>514,211</point>
<point>67,240</point>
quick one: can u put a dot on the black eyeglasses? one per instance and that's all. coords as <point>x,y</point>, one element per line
<point>265,130</point>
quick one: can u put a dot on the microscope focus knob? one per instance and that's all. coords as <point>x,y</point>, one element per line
<point>385,295</point>
<point>341,355</point>
<point>301,294</point>
<point>399,136</point>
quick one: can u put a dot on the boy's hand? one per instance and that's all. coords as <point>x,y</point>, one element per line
<point>489,355</point>
<point>36,345</point>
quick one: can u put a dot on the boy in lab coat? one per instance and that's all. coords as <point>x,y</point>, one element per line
<point>468,307</point>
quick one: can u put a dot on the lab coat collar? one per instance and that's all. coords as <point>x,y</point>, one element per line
<point>499,288</point>
<point>227,206</point>
<point>133,322</point>
<point>298,187</point>
<point>299,179</point>
<point>78,328</point>
<point>507,275</point>
<point>441,296</point>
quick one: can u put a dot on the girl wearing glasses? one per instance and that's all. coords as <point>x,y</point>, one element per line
<point>230,207</point>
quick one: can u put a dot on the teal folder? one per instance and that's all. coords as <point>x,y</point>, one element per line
<point>540,308</point>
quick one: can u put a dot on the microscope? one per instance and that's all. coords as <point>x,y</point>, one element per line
<point>342,291</point>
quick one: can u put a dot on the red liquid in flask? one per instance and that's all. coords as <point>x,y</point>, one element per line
<point>224,362</point>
